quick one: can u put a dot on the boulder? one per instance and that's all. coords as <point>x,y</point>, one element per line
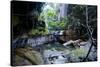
<point>28,55</point>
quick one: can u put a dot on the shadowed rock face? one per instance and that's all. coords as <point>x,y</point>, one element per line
<point>21,16</point>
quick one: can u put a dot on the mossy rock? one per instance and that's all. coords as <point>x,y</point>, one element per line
<point>79,52</point>
<point>20,61</point>
<point>28,53</point>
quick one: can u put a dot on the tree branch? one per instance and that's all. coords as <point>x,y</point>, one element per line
<point>90,35</point>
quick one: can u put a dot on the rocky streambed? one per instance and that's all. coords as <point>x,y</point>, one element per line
<point>52,53</point>
<point>60,54</point>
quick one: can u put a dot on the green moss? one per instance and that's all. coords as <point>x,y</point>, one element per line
<point>38,31</point>
<point>79,52</point>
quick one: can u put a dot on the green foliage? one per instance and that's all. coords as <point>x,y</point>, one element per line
<point>39,31</point>
<point>79,52</point>
<point>61,24</point>
<point>57,24</point>
<point>77,17</point>
<point>49,14</point>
